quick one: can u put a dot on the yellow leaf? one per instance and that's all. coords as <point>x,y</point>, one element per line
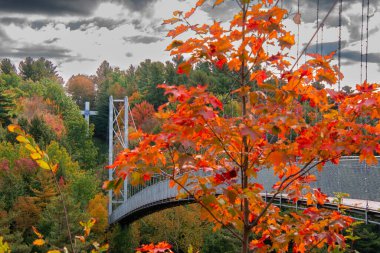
<point>43,165</point>
<point>54,251</point>
<point>12,128</point>
<point>22,139</point>
<point>182,180</point>
<point>30,148</point>
<point>35,156</point>
<point>39,242</point>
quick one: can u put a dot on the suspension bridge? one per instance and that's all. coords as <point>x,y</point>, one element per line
<point>350,176</point>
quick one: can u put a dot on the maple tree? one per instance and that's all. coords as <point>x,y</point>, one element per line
<point>216,160</point>
<point>81,88</point>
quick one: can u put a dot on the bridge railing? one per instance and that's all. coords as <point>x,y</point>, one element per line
<point>350,176</point>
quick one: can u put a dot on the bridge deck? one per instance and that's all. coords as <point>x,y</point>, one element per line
<point>351,176</point>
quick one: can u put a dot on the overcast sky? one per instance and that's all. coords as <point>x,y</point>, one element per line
<point>78,35</point>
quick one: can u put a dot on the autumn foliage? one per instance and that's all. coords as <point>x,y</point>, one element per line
<point>216,159</point>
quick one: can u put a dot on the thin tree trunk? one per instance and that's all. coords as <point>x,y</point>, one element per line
<point>244,165</point>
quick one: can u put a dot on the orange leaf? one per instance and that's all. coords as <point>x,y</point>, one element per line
<point>277,158</point>
<point>200,3</point>
<point>220,63</point>
<point>184,68</point>
<point>177,31</point>
<point>286,41</point>
<point>171,21</point>
<point>39,242</point>
<point>177,13</point>
<point>234,64</point>
<point>243,91</point>
<point>15,129</point>
<point>216,29</point>
<point>80,238</point>
<point>259,76</point>
<point>217,2</point>
<point>55,168</point>
<point>174,44</point>
<point>37,232</point>
<point>189,13</point>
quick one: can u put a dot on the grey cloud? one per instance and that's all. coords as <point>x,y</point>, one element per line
<point>85,24</point>
<point>82,24</point>
<point>326,47</point>
<point>137,24</point>
<point>78,58</point>
<point>23,22</point>
<point>9,48</point>
<point>35,51</point>
<point>51,41</point>
<point>4,38</point>
<point>38,24</point>
<point>129,54</point>
<point>142,39</point>
<point>50,7</point>
<point>154,26</point>
<point>13,20</point>
<point>71,7</point>
<point>354,56</point>
<point>222,12</point>
<point>143,6</point>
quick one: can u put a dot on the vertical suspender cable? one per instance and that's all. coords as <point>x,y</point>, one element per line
<point>340,38</point>
<point>317,48</point>
<point>366,44</point>
<point>322,39</point>
<point>298,29</point>
<point>361,44</point>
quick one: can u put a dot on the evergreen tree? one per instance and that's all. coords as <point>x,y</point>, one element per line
<point>36,70</point>
<point>7,106</point>
<point>7,67</point>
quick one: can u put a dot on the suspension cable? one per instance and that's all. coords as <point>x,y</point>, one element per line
<point>322,39</point>
<point>298,28</point>
<point>315,33</point>
<point>361,44</point>
<point>317,46</point>
<point>340,39</point>
<point>366,46</point>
